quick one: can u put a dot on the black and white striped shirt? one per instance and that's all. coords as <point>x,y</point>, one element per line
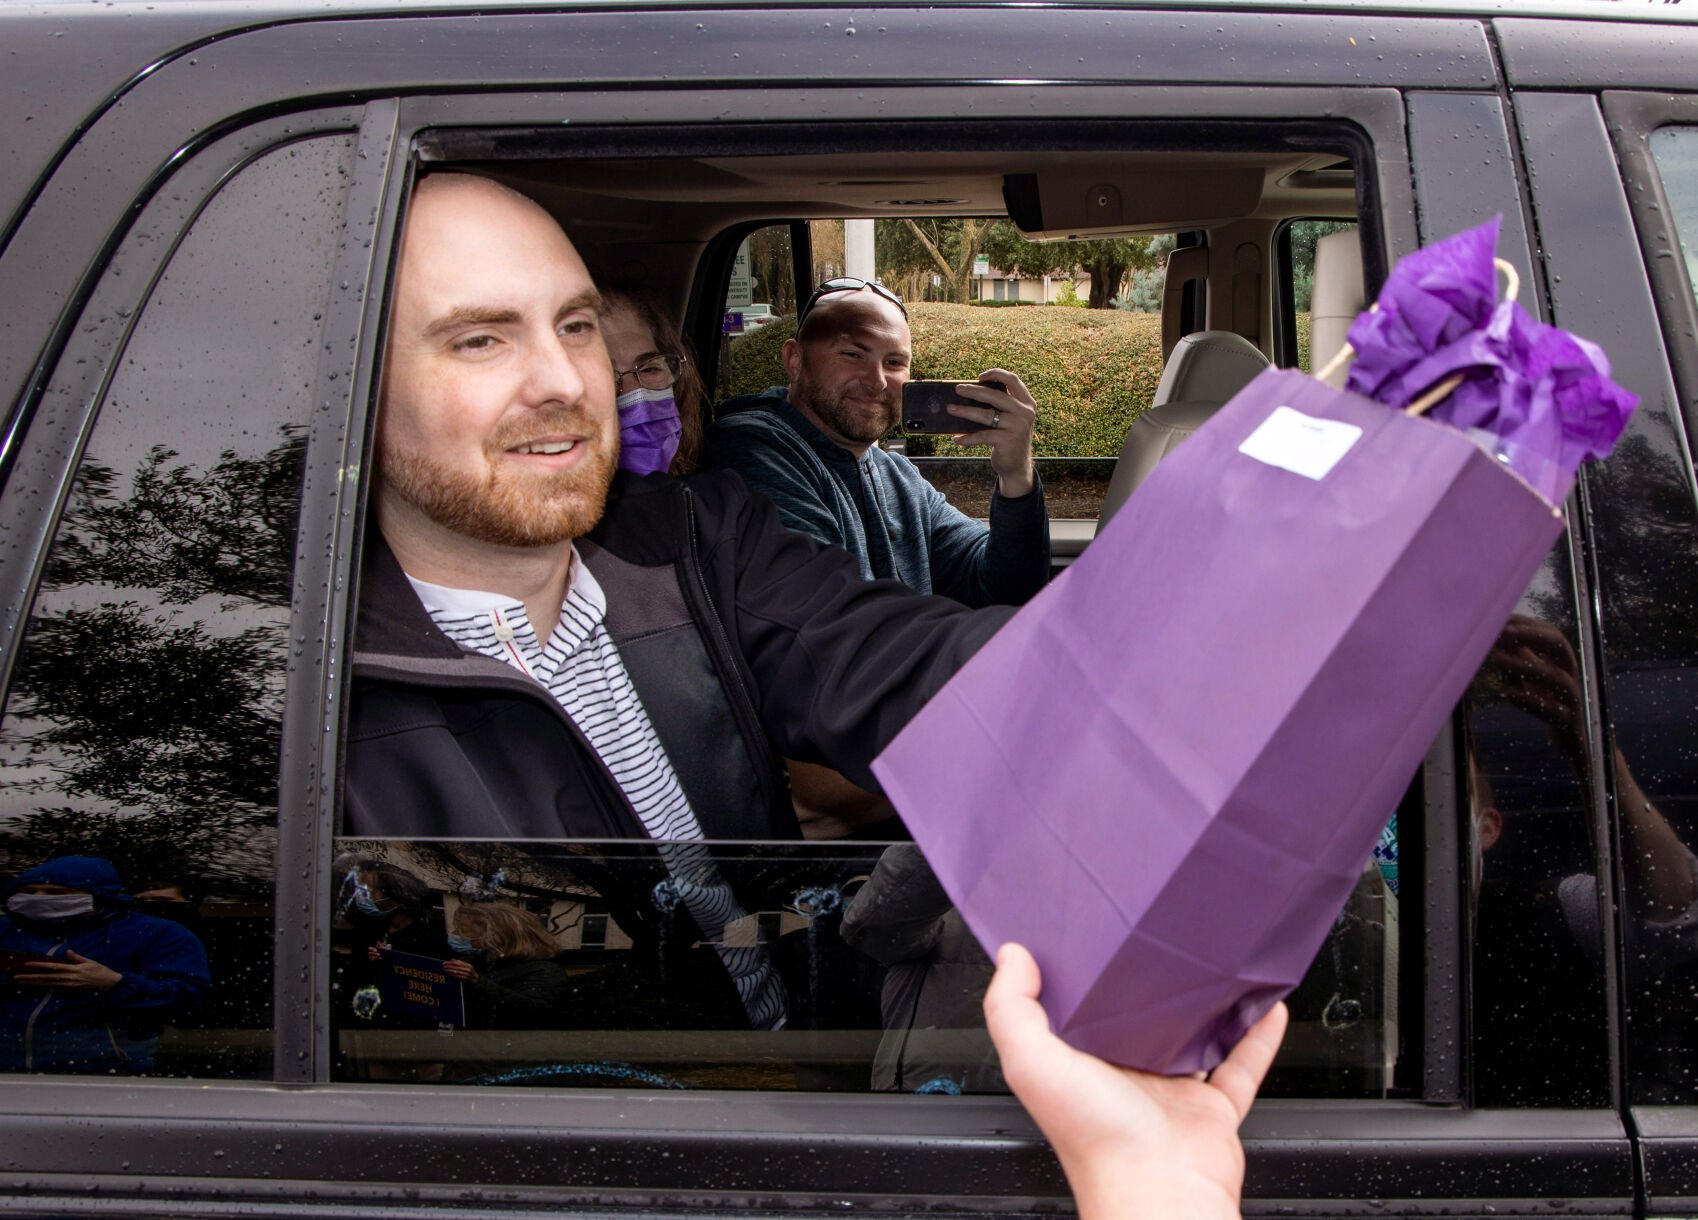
<point>581,668</point>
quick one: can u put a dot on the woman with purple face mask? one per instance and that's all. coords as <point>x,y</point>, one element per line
<point>659,391</point>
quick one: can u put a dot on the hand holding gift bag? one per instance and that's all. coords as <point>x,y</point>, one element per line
<point>1165,773</point>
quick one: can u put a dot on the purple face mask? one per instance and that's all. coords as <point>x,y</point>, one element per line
<point>649,430</point>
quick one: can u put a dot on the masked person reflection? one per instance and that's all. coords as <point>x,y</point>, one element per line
<point>390,911</point>
<point>658,391</point>
<point>87,982</point>
<point>400,910</point>
<point>508,962</point>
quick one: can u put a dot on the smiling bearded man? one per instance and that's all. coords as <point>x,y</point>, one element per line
<point>498,424</point>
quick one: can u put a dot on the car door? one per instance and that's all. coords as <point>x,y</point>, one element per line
<point>1609,158</point>
<point>200,286</point>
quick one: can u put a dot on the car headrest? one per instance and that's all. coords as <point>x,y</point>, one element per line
<point>1210,366</point>
<point>1339,295</point>
<point>1152,436</point>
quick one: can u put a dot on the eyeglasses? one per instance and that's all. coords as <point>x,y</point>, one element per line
<point>844,283</point>
<point>652,372</point>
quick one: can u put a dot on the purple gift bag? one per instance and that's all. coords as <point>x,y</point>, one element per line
<point>1164,775</point>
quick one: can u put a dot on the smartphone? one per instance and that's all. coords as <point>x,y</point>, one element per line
<point>923,404</point>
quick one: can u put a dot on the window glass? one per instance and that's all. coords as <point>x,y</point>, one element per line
<point>139,751</point>
<point>1676,152</point>
<point>835,962</point>
<point>1538,1005</point>
<point>835,967</point>
<point>760,308</point>
<point>1647,529</point>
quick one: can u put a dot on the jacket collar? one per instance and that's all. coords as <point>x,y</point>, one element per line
<point>392,621</point>
<point>643,523</point>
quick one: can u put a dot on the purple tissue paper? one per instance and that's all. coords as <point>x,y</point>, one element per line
<point>1542,397</point>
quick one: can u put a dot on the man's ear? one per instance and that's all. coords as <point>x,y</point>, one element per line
<point>792,352</point>
<point>1489,825</point>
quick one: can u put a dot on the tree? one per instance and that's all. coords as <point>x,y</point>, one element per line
<point>945,246</point>
<point>1108,261</point>
<point>146,714</point>
<point>771,268</point>
<point>826,238</point>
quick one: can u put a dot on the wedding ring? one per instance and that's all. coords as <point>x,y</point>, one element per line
<point>996,419</point>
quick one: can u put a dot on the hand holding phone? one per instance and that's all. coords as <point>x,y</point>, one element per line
<point>925,408</point>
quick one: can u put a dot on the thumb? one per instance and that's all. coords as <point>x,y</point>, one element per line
<point>1012,1011</point>
<point>71,955</point>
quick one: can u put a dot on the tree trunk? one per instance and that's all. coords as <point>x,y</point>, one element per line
<point>1107,274</point>
<point>972,240</point>
<point>931,250</point>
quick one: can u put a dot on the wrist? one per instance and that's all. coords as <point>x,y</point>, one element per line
<point>1138,1189</point>
<point>1019,483</point>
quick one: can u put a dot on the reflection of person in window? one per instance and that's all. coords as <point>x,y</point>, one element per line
<point>1538,997</point>
<point>1533,668</point>
<point>934,982</point>
<point>392,911</point>
<point>397,911</point>
<point>89,980</point>
<point>507,960</point>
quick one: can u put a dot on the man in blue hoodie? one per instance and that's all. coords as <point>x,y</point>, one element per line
<point>811,447</point>
<point>86,980</point>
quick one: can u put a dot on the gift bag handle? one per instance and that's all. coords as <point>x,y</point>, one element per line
<point>1436,395</point>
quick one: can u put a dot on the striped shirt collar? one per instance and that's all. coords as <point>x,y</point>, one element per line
<point>443,601</point>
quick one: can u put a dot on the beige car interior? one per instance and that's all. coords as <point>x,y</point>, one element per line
<point>1207,367</point>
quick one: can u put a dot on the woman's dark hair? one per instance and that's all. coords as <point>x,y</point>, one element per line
<point>407,892</point>
<point>688,391</point>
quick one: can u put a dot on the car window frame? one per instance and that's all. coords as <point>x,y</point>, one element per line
<point>446,128</point>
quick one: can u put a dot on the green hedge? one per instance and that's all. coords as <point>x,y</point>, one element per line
<point>1091,371</point>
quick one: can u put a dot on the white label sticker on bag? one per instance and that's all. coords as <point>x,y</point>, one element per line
<point>1300,443</point>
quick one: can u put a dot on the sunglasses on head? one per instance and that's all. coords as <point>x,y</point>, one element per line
<point>844,283</point>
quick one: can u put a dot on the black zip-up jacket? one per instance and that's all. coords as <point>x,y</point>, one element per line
<point>745,641</point>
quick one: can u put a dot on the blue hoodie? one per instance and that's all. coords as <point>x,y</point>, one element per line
<point>879,507</point>
<point>61,1029</point>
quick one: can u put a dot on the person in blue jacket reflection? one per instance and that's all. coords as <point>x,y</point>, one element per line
<point>87,981</point>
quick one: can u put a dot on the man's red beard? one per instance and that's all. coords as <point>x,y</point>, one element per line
<point>509,507</point>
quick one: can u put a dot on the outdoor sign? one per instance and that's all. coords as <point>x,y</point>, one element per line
<point>741,290</point>
<point>417,987</point>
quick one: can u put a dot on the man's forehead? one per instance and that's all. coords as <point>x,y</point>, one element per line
<point>861,316</point>
<point>474,247</point>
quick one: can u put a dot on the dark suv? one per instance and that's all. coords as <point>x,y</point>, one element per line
<point>197,238</point>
